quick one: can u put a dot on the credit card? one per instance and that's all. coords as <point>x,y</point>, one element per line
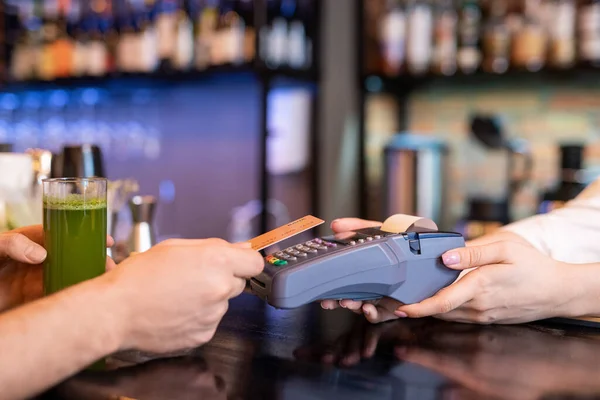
<point>285,232</point>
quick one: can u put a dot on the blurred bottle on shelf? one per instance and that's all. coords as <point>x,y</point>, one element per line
<point>246,11</point>
<point>469,30</point>
<point>530,42</point>
<point>570,184</point>
<point>419,45</point>
<point>561,28</point>
<point>207,17</point>
<point>283,40</point>
<point>228,48</point>
<point>445,51</point>
<point>393,37</point>
<point>166,30</point>
<point>373,37</point>
<point>496,39</point>
<point>49,33</point>
<point>589,32</point>
<point>184,48</point>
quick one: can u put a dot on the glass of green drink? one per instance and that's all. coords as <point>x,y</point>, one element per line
<point>75,228</point>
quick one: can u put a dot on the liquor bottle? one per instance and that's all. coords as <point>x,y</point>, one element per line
<point>419,36</point>
<point>496,39</point>
<point>469,53</point>
<point>206,26</point>
<point>299,42</point>
<point>78,29</point>
<point>246,11</point>
<point>589,32</point>
<point>99,62</point>
<point>373,38</point>
<point>571,159</point>
<point>266,34</point>
<point>446,22</point>
<point>562,33</point>
<point>24,52</point>
<point>45,53</point>
<point>393,38</point>
<point>64,46</point>
<point>229,45</point>
<point>126,57</point>
<point>184,51</point>
<point>166,27</point>
<point>145,36</point>
<point>530,42</point>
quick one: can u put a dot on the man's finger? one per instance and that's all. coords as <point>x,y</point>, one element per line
<point>375,314</point>
<point>329,304</point>
<point>445,300</point>
<point>244,263</point>
<point>349,224</point>
<point>110,264</point>
<point>351,304</point>
<point>32,232</point>
<point>19,248</point>
<point>478,256</point>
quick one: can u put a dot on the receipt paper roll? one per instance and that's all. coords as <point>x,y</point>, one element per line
<point>407,223</point>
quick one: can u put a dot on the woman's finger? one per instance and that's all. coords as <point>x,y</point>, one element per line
<point>445,300</point>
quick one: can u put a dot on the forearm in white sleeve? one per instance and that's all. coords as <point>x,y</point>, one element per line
<point>569,234</point>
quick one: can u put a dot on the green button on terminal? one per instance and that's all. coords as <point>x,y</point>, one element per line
<point>280,263</point>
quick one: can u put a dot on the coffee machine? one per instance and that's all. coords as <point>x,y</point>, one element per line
<point>496,169</point>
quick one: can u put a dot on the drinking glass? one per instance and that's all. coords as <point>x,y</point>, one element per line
<point>75,228</point>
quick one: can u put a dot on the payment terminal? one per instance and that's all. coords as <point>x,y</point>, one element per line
<point>400,259</point>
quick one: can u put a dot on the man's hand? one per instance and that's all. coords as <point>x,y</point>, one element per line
<point>375,311</point>
<point>21,272</point>
<point>173,296</point>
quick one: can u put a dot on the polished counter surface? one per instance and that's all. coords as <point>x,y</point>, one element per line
<point>308,353</point>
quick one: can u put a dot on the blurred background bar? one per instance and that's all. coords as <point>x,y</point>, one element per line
<point>233,117</point>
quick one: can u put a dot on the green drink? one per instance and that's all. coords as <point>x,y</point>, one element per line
<point>75,228</point>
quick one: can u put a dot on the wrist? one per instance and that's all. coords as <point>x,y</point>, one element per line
<point>582,286</point>
<point>107,301</point>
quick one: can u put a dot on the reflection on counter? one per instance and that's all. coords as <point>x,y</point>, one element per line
<point>263,353</point>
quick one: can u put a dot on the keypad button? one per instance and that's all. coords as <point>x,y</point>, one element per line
<point>300,254</point>
<point>361,240</point>
<point>291,258</point>
<point>352,243</point>
<point>272,260</point>
<point>369,239</point>
<point>330,244</point>
<point>309,243</point>
<point>300,246</point>
<point>280,263</point>
<point>377,236</point>
<point>280,254</point>
<point>317,240</point>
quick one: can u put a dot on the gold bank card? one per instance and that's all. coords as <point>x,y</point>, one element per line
<point>285,232</point>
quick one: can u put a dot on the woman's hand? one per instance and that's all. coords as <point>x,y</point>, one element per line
<point>512,283</point>
<point>21,272</point>
<point>504,280</point>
